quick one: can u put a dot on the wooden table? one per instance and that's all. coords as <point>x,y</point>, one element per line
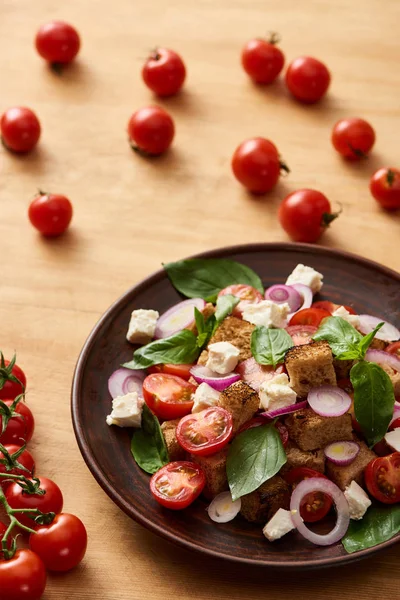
<point>131,214</point>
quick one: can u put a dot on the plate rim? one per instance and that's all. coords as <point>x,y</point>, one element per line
<point>131,511</point>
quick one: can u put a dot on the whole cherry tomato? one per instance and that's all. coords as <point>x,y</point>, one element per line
<point>151,130</point>
<point>353,138</point>
<point>50,501</point>
<point>57,42</point>
<point>20,129</point>
<point>50,214</point>
<point>12,379</point>
<point>164,72</point>
<point>307,79</point>
<point>23,577</point>
<point>263,60</point>
<point>256,165</point>
<point>385,188</point>
<point>305,215</point>
<point>19,428</point>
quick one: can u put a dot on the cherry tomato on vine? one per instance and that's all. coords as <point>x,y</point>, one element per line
<point>246,293</point>
<point>256,165</point>
<point>305,214</point>
<point>25,459</point>
<point>315,505</point>
<point>50,214</point>
<point>164,72</point>
<point>3,529</point>
<point>178,484</point>
<point>307,79</point>
<point>263,60</point>
<point>20,129</point>
<point>385,188</point>
<point>19,428</point>
<point>57,42</point>
<point>11,389</point>
<point>382,478</point>
<point>23,577</point>
<point>151,130</point>
<point>51,501</point>
<point>168,396</point>
<point>309,316</point>
<point>353,138</point>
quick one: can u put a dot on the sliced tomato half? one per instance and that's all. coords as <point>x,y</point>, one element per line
<point>205,432</point>
<point>309,316</point>
<point>382,478</point>
<point>394,349</point>
<point>168,396</point>
<point>178,484</point>
<point>301,334</point>
<point>315,505</point>
<point>178,370</point>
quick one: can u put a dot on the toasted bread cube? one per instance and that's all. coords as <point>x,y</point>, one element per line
<point>343,476</point>
<point>311,431</point>
<point>175,451</point>
<point>378,344</point>
<point>263,503</point>
<point>207,311</point>
<point>309,366</point>
<point>237,332</point>
<point>394,378</point>
<point>214,468</point>
<point>342,368</point>
<point>313,459</point>
<point>241,401</point>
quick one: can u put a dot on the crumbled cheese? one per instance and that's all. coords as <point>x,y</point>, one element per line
<point>222,357</point>
<point>307,276</point>
<point>392,438</point>
<point>142,326</point>
<point>358,501</point>
<point>354,320</point>
<point>204,397</point>
<point>276,393</point>
<point>126,411</point>
<point>267,313</point>
<point>280,524</point>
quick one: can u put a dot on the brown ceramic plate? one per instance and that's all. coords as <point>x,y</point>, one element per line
<point>348,279</point>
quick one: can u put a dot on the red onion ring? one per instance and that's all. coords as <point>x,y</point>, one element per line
<point>218,382</point>
<point>285,293</point>
<point>380,357</point>
<point>329,401</point>
<point>342,453</point>
<point>286,410</point>
<point>307,295</point>
<point>123,381</point>
<point>387,333</point>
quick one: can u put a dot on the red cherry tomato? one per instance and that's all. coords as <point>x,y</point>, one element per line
<point>385,188</point>
<point>168,396</point>
<point>178,484</point>
<point>62,544</point>
<point>20,129</point>
<point>57,42</point>
<point>151,130</point>
<point>164,72</point>
<point>262,60</point>
<point>19,428</point>
<point>346,385</point>
<point>307,79</point>
<point>353,138</point>
<point>11,389</point>
<point>254,374</point>
<point>331,307</point>
<point>382,478</point>
<point>182,371</point>
<point>256,165</point>
<point>301,334</point>
<point>382,448</point>
<point>23,577</point>
<point>51,501</point>
<point>50,214</point>
<point>25,459</point>
<point>315,505</point>
<point>309,316</point>
<point>205,432</point>
<point>246,293</point>
<point>305,214</point>
<point>394,348</point>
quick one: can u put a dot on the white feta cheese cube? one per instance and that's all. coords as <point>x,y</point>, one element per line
<point>358,501</point>
<point>276,393</point>
<point>142,326</point>
<point>307,276</point>
<point>204,397</point>
<point>280,524</point>
<point>267,313</point>
<point>222,357</point>
<point>354,320</point>
<point>392,438</point>
<point>126,411</point>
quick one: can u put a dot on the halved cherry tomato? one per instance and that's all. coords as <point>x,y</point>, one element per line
<point>382,478</point>
<point>178,370</point>
<point>168,396</point>
<point>301,334</point>
<point>254,374</point>
<point>309,316</point>
<point>315,505</point>
<point>246,293</point>
<point>178,484</point>
<point>394,349</point>
<point>331,306</point>
<point>205,432</point>
<point>257,421</point>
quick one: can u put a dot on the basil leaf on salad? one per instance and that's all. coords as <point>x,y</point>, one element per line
<point>225,305</point>
<point>206,329</point>
<point>268,346</point>
<point>379,524</point>
<point>373,400</point>
<point>368,339</point>
<point>148,446</point>
<point>205,277</point>
<point>345,341</point>
<point>180,348</point>
<point>254,456</point>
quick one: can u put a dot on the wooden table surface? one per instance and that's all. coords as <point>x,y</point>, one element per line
<point>131,214</point>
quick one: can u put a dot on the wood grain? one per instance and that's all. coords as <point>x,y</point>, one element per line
<point>131,214</point>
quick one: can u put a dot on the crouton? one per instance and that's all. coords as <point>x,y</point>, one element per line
<point>214,468</point>
<point>237,332</point>
<point>241,401</point>
<point>309,366</point>
<point>394,378</point>
<point>175,451</point>
<point>378,344</point>
<point>343,476</point>
<point>262,504</point>
<point>314,459</point>
<point>207,311</point>
<point>311,431</point>
<point>342,368</point>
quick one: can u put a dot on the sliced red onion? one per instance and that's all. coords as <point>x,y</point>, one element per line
<point>387,333</point>
<point>123,381</point>
<point>178,317</point>
<point>218,382</point>
<point>380,357</point>
<point>285,293</point>
<point>255,374</point>
<point>342,453</point>
<point>317,484</point>
<point>329,401</point>
<point>223,509</point>
<point>286,410</point>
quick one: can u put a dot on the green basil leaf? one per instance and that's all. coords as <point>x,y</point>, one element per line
<point>367,340</point>
<point>342,337</point>
<point>254,456</point>
<point>225,305</point>
<point>148,446</point>
<point>205,277</point>
<point>180,348</point>
<point>268,346</point>
<point>373,399</point>
<point>379,524</point>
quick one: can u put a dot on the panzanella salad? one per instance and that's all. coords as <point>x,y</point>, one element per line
<point>277,408</point>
